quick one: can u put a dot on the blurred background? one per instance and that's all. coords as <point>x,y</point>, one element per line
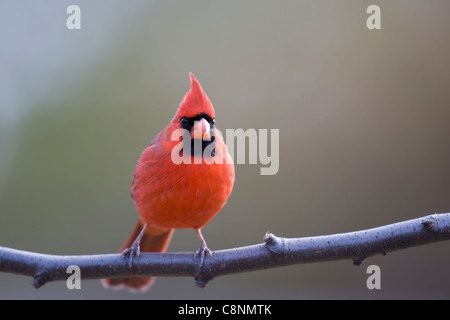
<point>363,118</point>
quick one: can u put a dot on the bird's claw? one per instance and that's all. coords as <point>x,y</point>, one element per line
<point>131,252</point>
<point>202,252</point>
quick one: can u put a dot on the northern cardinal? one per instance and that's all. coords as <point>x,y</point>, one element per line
<point>170,196</point>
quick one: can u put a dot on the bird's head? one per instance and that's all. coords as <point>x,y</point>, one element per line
<point>196,115</point>
<point>196,112</point>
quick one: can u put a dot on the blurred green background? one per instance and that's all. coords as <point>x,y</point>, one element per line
<point>363,118</point>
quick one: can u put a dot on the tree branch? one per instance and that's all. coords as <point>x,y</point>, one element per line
<point>275,252</point>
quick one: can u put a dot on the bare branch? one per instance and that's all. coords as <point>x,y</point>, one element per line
<point>274,252</point>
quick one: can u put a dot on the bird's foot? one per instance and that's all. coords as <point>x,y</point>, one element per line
<point>131,252</point>
<point>135,249</point>
<point>202,252</point>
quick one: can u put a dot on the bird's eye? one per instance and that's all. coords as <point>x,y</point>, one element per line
<point>184,122</point>
<point>214,121</point>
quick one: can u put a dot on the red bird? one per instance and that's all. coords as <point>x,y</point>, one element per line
<point>171,195</point>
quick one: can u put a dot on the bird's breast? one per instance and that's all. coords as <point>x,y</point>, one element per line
<point>168,195</point>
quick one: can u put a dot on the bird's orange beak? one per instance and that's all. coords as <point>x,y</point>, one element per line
<point>201,130</point>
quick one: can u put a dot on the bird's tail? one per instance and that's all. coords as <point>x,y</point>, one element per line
<point>154,240</point>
